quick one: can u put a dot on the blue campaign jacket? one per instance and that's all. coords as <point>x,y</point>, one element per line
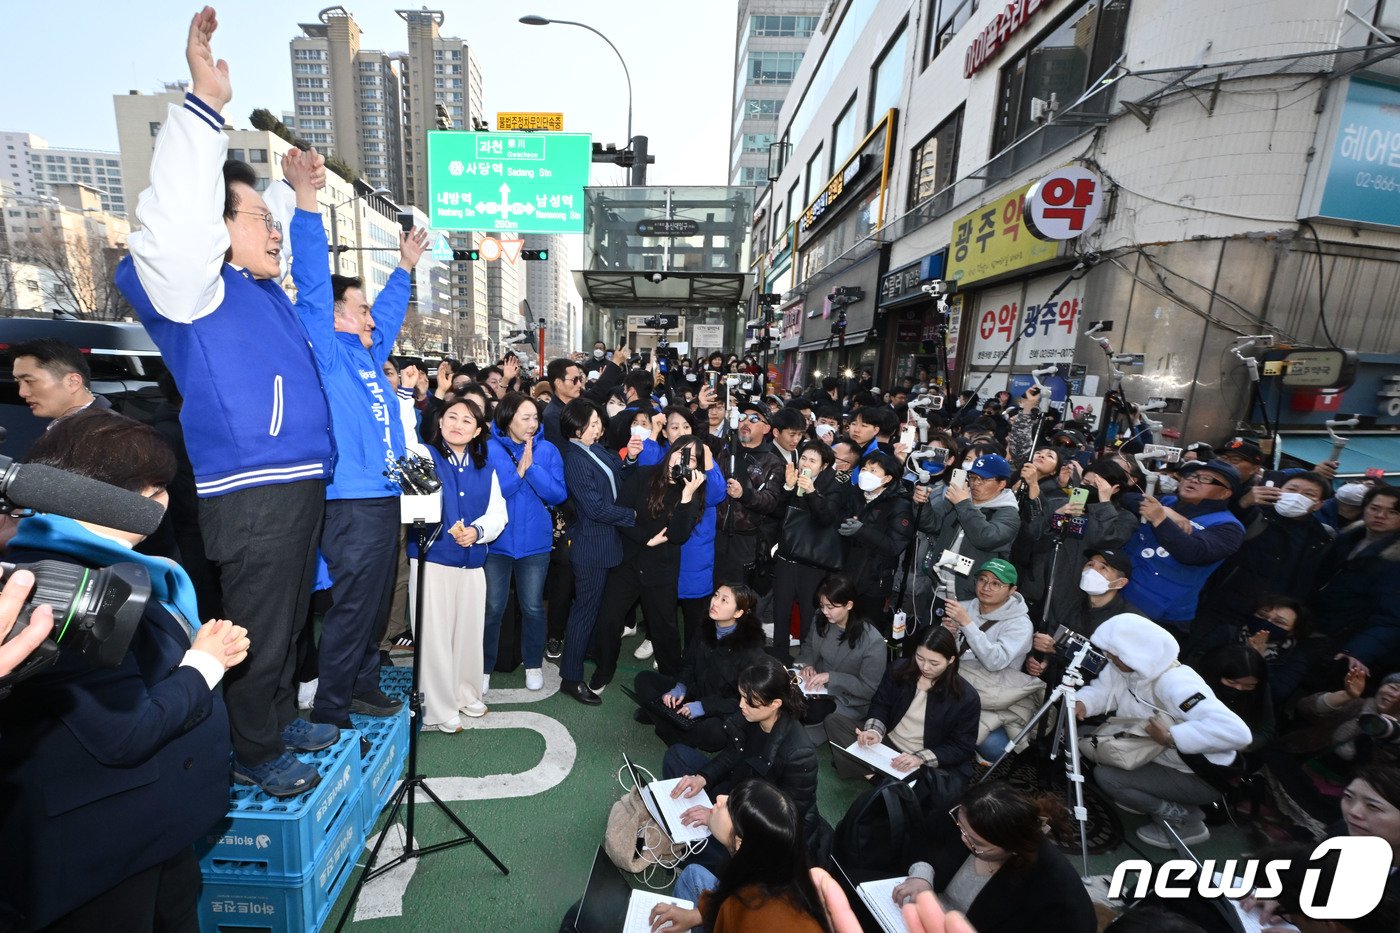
<point>106,772</point>
<point>364,406</point>
<point>697,576</point>
<point>593,538</point>
<point>466,494</point>
<point>530,529</point>
<point>254,413</point>
<point>1164,588</point>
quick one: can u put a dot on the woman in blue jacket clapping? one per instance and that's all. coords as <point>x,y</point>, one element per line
<point>531,477</point>
<point>454,585</point>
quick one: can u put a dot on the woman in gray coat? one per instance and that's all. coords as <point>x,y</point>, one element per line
<point>841,663</point>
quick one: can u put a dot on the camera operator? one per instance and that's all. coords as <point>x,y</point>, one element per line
<point>750,517</point>
<point>132,760</point>
<point>977,520</point>
<point>1097,598</point>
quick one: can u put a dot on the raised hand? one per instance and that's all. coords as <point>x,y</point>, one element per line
<point>412,246</point>
<point>208,77</point>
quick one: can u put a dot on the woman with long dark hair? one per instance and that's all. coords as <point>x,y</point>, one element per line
<point>454,583</point>
<point>593,475</point>
<point>707,690</point>
<point>696,578</point>
<point>667,498</point>
<point>767,883</point>
<point>923,709</point>
<point>845,657</point>
<point>1006,865</point>
<point>531,476</point>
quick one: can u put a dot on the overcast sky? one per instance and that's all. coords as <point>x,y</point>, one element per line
<point>60,69</point>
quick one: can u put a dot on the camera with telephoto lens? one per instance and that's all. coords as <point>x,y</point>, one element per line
<point>1068,644</point>
<point>95,611</point>
<point>1380,727</point>
<point>683,471</point>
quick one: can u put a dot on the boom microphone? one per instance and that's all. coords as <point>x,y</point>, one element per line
<point>43,488</point>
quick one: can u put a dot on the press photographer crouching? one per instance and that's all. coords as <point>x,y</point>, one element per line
<point>111,773</point>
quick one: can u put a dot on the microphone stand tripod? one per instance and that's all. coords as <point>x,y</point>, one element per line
<point>1066,732</point>
<point>404,795</point>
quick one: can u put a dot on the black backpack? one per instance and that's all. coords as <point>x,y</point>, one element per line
<point>878,836</point>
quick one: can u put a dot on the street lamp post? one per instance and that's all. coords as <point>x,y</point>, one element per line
<point>533,20</point>
<point>335,221</point>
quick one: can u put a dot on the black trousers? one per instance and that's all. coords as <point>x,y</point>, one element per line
<point>360,543</point>
<point>161,899</point>
<point>695,613</point>
<point>735,555</point>
<point>559,591</point>
<point>793,582</point>
<point>264,541</point>
<point>708,732</point>
<point>625,587</point>
<point>872,609</point>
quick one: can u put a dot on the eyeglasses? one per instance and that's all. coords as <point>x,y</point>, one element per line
<point>974,478</point>
<point>573,379</point>
<point>272,224</point>
<point>992,583</point>
<point>1204,481</point>
<point>752,419</point>
<point>967,837</point>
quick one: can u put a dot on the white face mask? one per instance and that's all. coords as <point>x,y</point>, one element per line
<point>1292,504</point>
<point>967,464</point>
<point>1093,582</point>
<point>598,354</point>
<point>1351,493</point>
<point>868,481</point>
<point>825,430</point>
<point>614,408</point>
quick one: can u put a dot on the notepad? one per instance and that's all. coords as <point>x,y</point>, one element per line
<point>879,898</point>
<point>667,810</point>
<point>806,690</point>
<point>879,756</point>
<point>639,908</point>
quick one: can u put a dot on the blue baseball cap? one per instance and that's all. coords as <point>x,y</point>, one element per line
<point>990,466</point>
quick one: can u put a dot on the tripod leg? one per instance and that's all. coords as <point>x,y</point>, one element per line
<point>1011,746</point>
<point>1075,774</point>
<point>470,836</point>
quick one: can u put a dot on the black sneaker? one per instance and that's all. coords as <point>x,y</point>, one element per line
<point>402,645</point>
<point>554,649</point>
<point>374,703</point>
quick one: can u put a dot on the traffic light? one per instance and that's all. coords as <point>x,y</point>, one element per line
<point>541,254</point>
<point>466,255</point>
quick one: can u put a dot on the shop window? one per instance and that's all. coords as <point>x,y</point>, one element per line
<point>935,162</point>
<point>887,77</point>
<point>843,134</point>
<point>945,18</point>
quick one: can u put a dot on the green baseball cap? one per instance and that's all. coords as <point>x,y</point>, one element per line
<point>1001,569</point>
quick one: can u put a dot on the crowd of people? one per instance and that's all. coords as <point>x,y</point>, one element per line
<point>806,565</point>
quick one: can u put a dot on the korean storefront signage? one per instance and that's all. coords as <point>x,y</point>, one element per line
<point>1064,204</point>
<point>1003,26</point>
<point>1047,328</point>
<point>906,282</point>
<point>833,191</point>
<point>1359,176</point>
<point>993,240</point>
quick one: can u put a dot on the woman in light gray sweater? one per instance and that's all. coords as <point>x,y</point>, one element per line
<point>844,656</point>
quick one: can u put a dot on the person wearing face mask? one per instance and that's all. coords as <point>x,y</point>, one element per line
<point>1276,631</point>
<point>598,359</point>
<point>1097,598</point>
<point>1281,553</point>
<point>1181,713</point>
<point>876,535</point>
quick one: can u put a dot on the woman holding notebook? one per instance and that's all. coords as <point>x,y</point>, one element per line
<point>845,661</point>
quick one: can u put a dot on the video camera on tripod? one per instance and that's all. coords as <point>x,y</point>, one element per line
<point>1069,643</point>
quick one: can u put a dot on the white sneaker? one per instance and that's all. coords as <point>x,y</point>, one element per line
<point>451,727</point>
<point>629,631</point>
<point>534,679</point>
<point>644,650</point>
<point>486,685</point>
<point>475,710</point>
<point>306,694</point>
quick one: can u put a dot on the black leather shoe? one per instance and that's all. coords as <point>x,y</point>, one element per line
<point>579,691</point>
<point>374,703</point>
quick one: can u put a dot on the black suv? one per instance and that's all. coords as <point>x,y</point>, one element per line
<point>125,365</point>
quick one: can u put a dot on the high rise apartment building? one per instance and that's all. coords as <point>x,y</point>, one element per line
<point>771,40</point>
<point>32,168</point>
<point>549,287</point>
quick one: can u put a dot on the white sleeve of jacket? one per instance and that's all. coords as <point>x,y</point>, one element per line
<point>1007,645</point>
<point>1208,727</point>
<point>408,414</point>
<point>1102,695</point>
<point>179,250</point>
<point>494,521</point>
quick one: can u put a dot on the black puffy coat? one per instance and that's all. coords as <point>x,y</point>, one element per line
<point>711,668</point>
<point>887,528</point>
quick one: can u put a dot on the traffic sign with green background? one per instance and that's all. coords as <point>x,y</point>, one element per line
<point>508,182</point>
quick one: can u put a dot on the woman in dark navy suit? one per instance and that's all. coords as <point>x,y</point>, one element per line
<point>593,475</point>
<point>109,775</point>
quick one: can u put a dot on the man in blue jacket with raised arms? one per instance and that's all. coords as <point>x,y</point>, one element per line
<point>203,277</point>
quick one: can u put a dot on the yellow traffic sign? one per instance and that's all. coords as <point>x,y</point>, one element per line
<point>515,122</point>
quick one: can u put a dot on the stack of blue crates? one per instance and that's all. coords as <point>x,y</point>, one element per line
<point>280,864</point>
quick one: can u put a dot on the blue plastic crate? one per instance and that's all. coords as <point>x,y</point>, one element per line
<point>301,904</point>
<point>280,837</point>
<point>381,769</point>
<point>396,682</point>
